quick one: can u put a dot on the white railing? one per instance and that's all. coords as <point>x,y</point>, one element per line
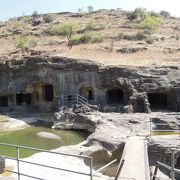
<point>20,173</point>
<point>18,161</point>
<point>73,99</point>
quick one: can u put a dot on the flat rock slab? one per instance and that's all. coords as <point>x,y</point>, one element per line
<point>48,135</point>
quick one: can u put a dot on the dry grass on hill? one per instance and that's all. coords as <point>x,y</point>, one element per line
<point>164,50</point>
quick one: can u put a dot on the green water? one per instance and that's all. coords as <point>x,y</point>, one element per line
<point>28,137</point>
<point>164,133</point>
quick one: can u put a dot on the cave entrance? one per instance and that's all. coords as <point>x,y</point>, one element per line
<point>3,101</point>
<point>158,100</point>
<point>48,92</point>
<point>23,99</point>
<point>87,92</point>
<point>115,96</point>
<point>40,92</point>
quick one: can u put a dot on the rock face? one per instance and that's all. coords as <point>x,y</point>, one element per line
<point>160,149</point>
<point>108,129</point>
<point>75,119</point>
<point>42,82</point>
<point>138,102</point>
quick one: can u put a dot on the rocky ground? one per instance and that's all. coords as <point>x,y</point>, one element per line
<point>109,132</point>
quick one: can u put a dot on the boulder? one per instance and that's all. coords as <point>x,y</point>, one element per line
<point>48,135</point>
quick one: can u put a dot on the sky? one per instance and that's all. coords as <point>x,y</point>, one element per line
<point>15,8</point>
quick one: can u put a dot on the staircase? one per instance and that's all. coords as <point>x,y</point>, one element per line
<point>69,100</point>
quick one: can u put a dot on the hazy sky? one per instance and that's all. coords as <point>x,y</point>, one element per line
<point>12,8</point>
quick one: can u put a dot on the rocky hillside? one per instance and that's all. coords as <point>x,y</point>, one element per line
<point>111,37</point>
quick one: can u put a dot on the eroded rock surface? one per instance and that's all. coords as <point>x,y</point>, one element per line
<point>105,86</point>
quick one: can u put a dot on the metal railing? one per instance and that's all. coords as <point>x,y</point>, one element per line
<point>121,164</point>
<point>165,129</point>
<point>73,99</point>
<point>20,173</point>
<point>171,168</point>
<point>18,161</point>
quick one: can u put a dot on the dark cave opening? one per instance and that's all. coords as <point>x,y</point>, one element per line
<point>49,93</point>
<point>115,96</point>
<point>23,99</point>
<point>3,101</point>
<point>158,100</point>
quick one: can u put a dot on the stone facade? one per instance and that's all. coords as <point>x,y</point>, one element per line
<point>40,83</point>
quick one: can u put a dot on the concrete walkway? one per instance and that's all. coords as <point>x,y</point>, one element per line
<point>136,166</point>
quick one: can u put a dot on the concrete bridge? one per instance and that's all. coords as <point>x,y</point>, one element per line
<point>135,158</point>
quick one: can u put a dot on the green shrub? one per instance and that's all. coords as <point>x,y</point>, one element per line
<point>86,38</point>
<point>48,18</point>
<point>151,23</point>
<point>138,13</point>
<point>139,36</point>
<point>75,40</point>
<point>22,43</point>
<point>65,29</point>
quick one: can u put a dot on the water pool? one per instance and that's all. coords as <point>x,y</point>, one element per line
<point>29,137</point>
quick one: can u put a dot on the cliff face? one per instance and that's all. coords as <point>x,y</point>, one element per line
<point>41,82</point>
